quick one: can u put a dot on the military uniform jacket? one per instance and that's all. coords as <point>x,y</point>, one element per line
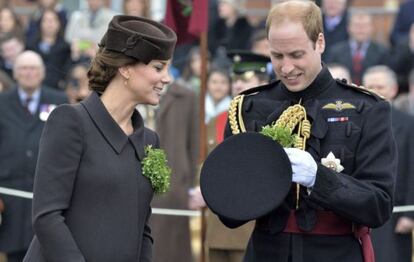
<point>91,201</point>
<point>19,144</point>
<point>356,127</point>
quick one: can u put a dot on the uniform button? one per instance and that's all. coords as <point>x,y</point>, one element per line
<point>29,153</point>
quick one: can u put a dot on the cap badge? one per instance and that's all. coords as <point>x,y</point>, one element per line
<point>331,162</point>
<point>237,59</point>
<point>339,106</point>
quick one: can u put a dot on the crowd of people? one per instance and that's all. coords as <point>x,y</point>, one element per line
<point>58,58</point>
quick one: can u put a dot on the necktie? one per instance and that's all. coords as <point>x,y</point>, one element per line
<point>26,103</point>
<point>357,65</point>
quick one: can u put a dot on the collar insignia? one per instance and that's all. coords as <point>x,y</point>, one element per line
<point>331,162</point>
<point>339,106</point>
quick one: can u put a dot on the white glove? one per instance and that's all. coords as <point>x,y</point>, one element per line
<point>304,167</point>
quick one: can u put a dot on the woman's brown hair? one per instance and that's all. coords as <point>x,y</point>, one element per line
<point>105,66</point>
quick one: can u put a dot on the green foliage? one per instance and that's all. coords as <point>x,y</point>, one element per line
<point>155,168</point>
<point>280,134</point>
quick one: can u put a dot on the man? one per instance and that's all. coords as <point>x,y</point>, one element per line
<point>393,241</point>
<point>335,17</point>
<point>23,111</point>
<point>344,179</point>
<point>10,46</point>
<point>361,51</point>
<point>340,72</point>
<point>405,102</point>
<point>224,245</point>
<point>86,28</point>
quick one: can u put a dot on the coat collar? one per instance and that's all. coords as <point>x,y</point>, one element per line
<point>322,81</point>
<point>111,131</point>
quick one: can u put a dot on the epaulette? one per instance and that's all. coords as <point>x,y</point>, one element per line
<point>361,89</point>
<point>257,89</point>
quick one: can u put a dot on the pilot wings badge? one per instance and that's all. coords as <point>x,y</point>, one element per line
<point>339,106</point>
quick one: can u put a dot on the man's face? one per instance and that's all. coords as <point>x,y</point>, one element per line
<point>10,49</point>
<point>295,58</point>
<point>29,72</point>
<point>360,28</point>
<point>379,83</point>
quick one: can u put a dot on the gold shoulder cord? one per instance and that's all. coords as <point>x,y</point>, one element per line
<point>235,115</point>
<point>290,118</point>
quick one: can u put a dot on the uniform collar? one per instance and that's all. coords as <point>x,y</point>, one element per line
<point>322,81</point>
<point>113,134</point>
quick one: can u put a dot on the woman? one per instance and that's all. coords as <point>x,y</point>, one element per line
<point>34,23</point>
<point>53,48</point>
<point>218,93</point>
<point>91,201</point>
<point>10,22</point>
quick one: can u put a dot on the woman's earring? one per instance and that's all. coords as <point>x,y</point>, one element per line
<point>126,82</point>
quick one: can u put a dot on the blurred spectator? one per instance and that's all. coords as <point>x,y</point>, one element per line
<point>192,70</point>
<point>10,47</point>
<point>5,81</point>
<point>137,8</point>
<point>85,29</point>
<point>10,23</point>
<point>224,244</point>
<point>24,111</point>
<point>55,51</point>
<point>360,52</point>
<point>77,83</point>
<point>402,60</point>
<point>393,240</point>
<point>259,43</point>
<point>33,27</point>
<point>340,72</point>
<point>405,102</point>
<point>403,22</point>
<point>217,98</point>
<point>177,127</point>
<point>335,19</point>
<point>231,31</point>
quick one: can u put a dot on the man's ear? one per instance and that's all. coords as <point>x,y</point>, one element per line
<point>320,43</point>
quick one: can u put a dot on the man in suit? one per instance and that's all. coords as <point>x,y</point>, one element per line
<point>23,111</point>
<point>335,17</point>
<point>393,240</point>
<point>360,52</point>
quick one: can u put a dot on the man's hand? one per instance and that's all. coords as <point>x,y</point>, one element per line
<point>304,167</point>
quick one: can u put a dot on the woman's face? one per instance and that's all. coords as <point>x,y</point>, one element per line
<point>7,22</point>
<point>218,86</point>
<point>146,82</point>
<point>50,24</point>
<point>135,7</point>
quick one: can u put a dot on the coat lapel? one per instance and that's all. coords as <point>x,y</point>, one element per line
<point>107,126</point>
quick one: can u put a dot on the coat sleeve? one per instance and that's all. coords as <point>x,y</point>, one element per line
<point>365,196</point>
<point>59,158</point>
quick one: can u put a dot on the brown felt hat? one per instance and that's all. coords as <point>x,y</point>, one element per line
<point>140,38</point>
